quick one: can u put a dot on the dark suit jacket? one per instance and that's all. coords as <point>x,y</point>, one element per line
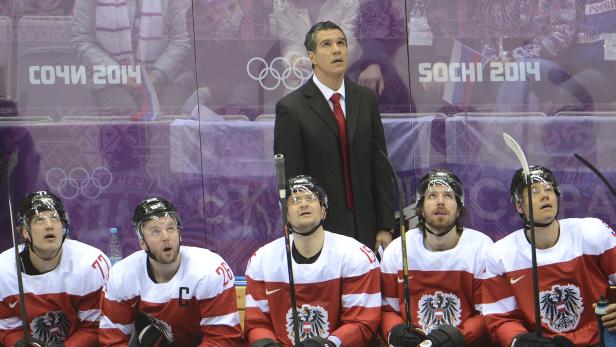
<point>307,135</point>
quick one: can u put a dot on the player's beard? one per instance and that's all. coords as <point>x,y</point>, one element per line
<point>175,251</point>
<point>440,226</point>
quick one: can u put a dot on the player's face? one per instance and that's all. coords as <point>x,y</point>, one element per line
<point>46,230</point>
<point>304,211</point>
<point>331,54</point>
<point>163,239</point>
<point>440,208</point>
<point>545,202</point>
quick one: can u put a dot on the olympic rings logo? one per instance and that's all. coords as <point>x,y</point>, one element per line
<point>279,70</point>
<point>79,181</point>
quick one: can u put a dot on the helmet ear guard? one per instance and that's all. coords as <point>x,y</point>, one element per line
<point>153,208</point>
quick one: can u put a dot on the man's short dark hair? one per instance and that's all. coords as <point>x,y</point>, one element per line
<point>311,37</point>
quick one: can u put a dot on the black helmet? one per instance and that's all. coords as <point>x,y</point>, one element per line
<point>37,202</point>
<point>443,177</point>
<point>537,174</point>
<point>151,208</point>
<point>303,182</point>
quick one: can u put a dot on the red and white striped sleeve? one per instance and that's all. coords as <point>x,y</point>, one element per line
<point>257,322</point>
<point>502,315</point>
<point>474,328</point>
<point>361,298</point>
<point>117,313</point>
<point>603,239</point>
<point>391,297</point>
<point>220,321</point>
<point>88,308</point>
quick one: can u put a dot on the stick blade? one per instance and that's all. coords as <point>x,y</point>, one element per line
<point>517,150</point>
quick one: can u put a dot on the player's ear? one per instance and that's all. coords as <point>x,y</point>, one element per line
<point>143,245</point>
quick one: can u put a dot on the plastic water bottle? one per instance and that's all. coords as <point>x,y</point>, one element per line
<point>115,247</point>
<point>419,29</point>
<point>608,339</point>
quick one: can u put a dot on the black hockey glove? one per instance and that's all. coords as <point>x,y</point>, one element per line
<point>147,333</point>
<point>446,336</point>
<point>266,343</point>
<point>403,336</point>
<point>532,340</point>
<point>316,341</point>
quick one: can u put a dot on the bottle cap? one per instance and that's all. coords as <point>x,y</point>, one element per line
<point>113,230</point>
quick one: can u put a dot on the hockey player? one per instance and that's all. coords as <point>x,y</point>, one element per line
<point>576,258</point>
<point>446,268</point>
<point>167,294</point>
<point>62,279</point>
<point>336,281</point>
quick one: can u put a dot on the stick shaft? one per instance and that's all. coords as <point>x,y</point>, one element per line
<point>22,297</point>
<point>280,174</point>
<point>401,221</point>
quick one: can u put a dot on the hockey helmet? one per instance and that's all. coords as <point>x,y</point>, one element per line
<point>537,174</point>
<point>153,208</point>
<point>306,183</point>
<point>38,202</point>
<point>441,177</point>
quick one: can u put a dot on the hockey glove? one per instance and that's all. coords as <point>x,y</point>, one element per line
<point>446,336</point>
<point>266,343</point>
<point>316,341</point>
<point>403,336</point>
<point>147,333</point>
<point>532,340</point>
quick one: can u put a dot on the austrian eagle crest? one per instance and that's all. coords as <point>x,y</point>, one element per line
<point>438,309</point>
<point>313,321</point>
<point>561,307</point>
<point>52,327</point>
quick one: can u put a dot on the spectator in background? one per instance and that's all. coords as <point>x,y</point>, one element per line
<point>152,34</point>
<point>527,31</point>
<point>42,7</point>
<point>224,85</point>
<point>291,19</point>
<point>381,34</point>
<point>590,61</point>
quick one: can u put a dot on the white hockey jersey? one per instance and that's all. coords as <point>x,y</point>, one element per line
<point>573,274</point>
<point>338,296</point>
<point>197,307</point>
<point>63,305</point>
<point>445,286</point>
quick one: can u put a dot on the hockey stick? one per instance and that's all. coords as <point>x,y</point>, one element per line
<point>597,172</point>
<point>517,150</point>
<point>282,196</point>
<point>26,340</point>
<point>405,264</point>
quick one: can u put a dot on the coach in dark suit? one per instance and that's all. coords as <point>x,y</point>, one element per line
<point>337,140</point>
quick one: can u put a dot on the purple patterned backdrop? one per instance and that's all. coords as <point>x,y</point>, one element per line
<point>220,67</point>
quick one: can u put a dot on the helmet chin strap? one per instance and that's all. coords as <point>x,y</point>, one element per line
<point>309,232</point>
<point>537,224</point>
<point>449,229</point>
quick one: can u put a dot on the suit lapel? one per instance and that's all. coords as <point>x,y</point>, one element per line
<point>352,107</point>
<point>316,101</point>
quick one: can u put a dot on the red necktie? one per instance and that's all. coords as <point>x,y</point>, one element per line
<point>344,143</point>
